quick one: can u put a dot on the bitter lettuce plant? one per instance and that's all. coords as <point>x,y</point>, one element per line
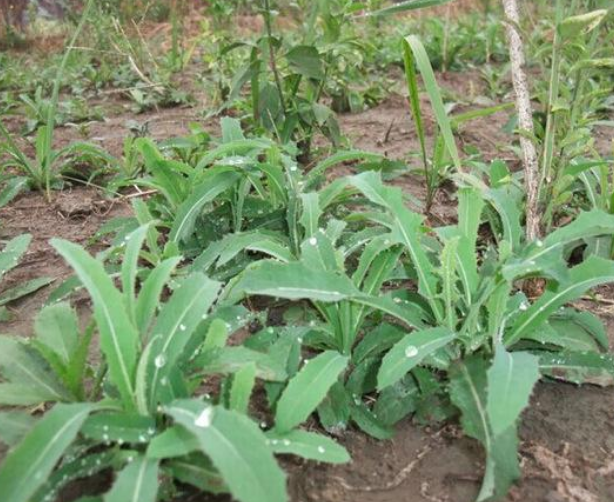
<point>469,336</point>
<point>142,409</point>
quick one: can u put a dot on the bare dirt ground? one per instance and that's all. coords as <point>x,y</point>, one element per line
<point>567,435</point>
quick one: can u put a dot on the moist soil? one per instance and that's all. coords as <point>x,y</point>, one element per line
<point>567,435</point>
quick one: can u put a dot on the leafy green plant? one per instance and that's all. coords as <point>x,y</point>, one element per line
<point>572,110</point>
<point>48,164</point>
<point>9,259</point>
<point>243,190</point>
<point>139,410</point>
<point>470,324</point>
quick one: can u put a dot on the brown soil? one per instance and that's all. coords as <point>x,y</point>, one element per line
<point>567,434</point>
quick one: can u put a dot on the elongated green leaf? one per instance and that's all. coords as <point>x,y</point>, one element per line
<point>338,158</point>
<point>237,448</point>
<point>582,23</point>
<point>137,482</point>
<point>56,328</point>
<point>187,213</point>
<point>197,470</point>
<point>407,5</point>
<point>13,251</point>
<point>368,422</point>
<point>72,469</point>
<point>26,370</point>
<point>134,243</point>
<point>311,213</point>
<point>593,272</point>
<point>511,379</point>
<point>25,289</point>
<point>579,367</point>
<point>443,121</point>
<point>118,336</point>
<point>468,391</point>
<point>119,427</point>
<point>12,189</point>
<point>241,390</point>
<point>295,281</point>
<point>409,352</point>
<point>28,465</point>
<point>173,442</point>
<point>149,296</point>
<point>411,314</point>
<point>308,445</point>
<point>176,323</point>
<point>14,425</point>
<point>307,389</point>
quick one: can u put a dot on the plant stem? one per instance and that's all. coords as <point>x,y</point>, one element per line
<point>273,62</point>
<point>525,117</point>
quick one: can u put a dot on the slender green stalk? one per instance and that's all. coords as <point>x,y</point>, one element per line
<point>47,161</point>
<point>549,139</point>
<point>272,56</point>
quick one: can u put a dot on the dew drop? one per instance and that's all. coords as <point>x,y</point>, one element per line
<point>182,327</point>
<point>286,442</point>
<point>539,243</point>
<point>160,361</point>
<point>205,418</point>
<point>313,241</point>
<point>321,449</point>
<point>411,351</point>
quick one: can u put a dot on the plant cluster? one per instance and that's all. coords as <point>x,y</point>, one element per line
<point>253,307</point>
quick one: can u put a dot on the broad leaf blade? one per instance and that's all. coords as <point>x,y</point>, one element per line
<point>307,389</point>
<point>137,482</point>
<point>409,352</point>
<point>28,465</point>
<point>236,447</point>
<point>118,336</point>
<point>511,379</point>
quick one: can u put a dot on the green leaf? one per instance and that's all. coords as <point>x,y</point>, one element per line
<point>307,389</point>
<point>178,319</point>
<point>119,427</point>
<point>134,243</point>
<point>368,422</point>
<point>236,447</point>
<point>409,352</point>
<point>137,482</point>
<point>511,379</point>
<point>584,23</point>
<point>13,187</point>
<point>28,465</point>
<point>295,281</point>
<point>56,328</point>
<point>173,442</point>
<point>188,212</point>
<point>593,272</point>
<point>579,367</point>
<point>241,390</point>
<point>197,470</point>
<point>310,216</point>
<point>423,63</point>
<point>407,6</point>
<point>308,445</point>
<point>468,391</point>
<point>14,426</point>
<point>13,251</point>
<point>118,336</point>
<point>31,381</point>
<point>25,289</point>
<point>149,296</point>
<point>306,61</point>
